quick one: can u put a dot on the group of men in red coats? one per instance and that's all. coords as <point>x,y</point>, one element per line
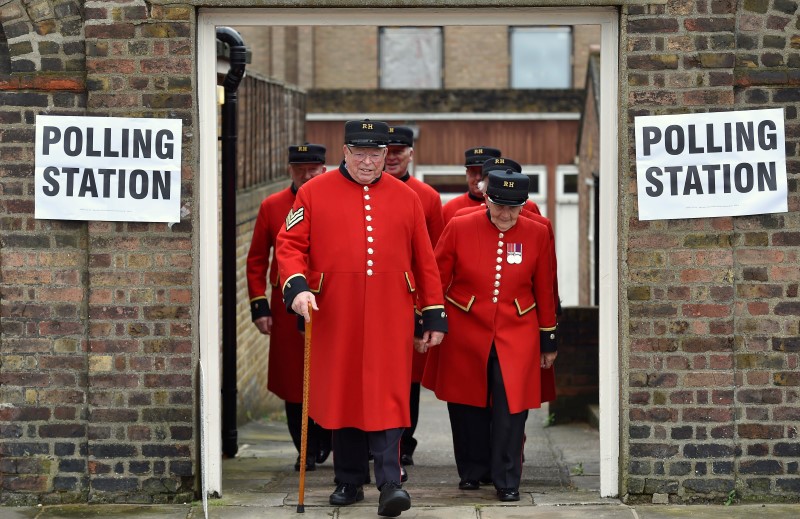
<point>366,247</point>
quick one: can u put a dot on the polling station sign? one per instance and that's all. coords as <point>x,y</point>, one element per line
<point>108,168</point>
<point>711,164</point>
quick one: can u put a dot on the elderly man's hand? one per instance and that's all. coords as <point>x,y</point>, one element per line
<point>548,359</point>
<point>264,324</point>
<point>429,339</point>
<point>300,304</point>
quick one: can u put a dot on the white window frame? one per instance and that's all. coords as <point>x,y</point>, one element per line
<point>562,171</point>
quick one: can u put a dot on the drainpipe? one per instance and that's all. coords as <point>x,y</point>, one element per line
<point>238,56</point>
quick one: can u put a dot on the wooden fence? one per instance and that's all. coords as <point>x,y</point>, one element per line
<point>271,117</point>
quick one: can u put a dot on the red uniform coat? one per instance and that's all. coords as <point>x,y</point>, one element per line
<point>466,200</point>
<point>536,217</point>
<point>548,375</point>
<point>460,202</point>
<point>285,371</point>
<point>432,207</point>
<point>490,300</point>
<point>365,251</point>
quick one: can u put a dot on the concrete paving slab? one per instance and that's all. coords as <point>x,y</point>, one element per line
<point>416,512</point>
<point>115,511</point>
<point>238,512</point>
<point>790,511</point>
<point>573,497</point>
<point>558,512</point>
<point>255,498</point>
<point>591,483</point>
<point>19,512</point>
<point>450,512</point>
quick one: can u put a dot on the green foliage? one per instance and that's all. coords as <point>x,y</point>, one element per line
<point>731,499</point>
<point>577,470</point>
<point>550,420</point>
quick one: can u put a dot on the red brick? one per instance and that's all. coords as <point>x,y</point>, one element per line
<point>707,310</point>
<point>706,414</point>
<point>708,379</point>
<point>716,97</point>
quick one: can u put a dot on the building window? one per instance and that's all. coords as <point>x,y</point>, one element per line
<point>411,57</point>
<point>567,183</point>
<point>541,57</point>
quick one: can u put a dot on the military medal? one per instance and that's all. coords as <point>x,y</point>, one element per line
<point>514,253</point>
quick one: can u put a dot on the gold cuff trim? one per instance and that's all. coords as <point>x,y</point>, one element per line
<point>548,329</point>
<point>521,311</point>
<point>258,298</point>
<point>289,279</point>
<point>465,308</point>
<point>432,307</point>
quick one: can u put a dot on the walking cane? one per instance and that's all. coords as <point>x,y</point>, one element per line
<point>304,421</point>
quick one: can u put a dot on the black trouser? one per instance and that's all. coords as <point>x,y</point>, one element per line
<point>318,437</point>
<point>488,441</point>
<point>409,443</point>
<point>351,449</point>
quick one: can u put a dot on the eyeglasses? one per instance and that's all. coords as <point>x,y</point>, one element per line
<point>374,156</point>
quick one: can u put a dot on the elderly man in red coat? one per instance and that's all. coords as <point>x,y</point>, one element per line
<point>473,162</point>
<point>495,268</point>
<point>474,158</point>
<point>355,248</point>
<point>400,153</point>
<point>285,368</point>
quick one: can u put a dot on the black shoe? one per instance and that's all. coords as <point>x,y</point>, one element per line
<point>310,465</point>
<point>469,484</point>
<point>508,494</point>
<point>393,500</point>
<point>346,494</point>
<point>403,475</point>
<point>322,454</point>
<point>406,459</point>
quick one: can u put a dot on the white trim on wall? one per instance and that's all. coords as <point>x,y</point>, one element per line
<point>605,17</point>
<point>609,268</point>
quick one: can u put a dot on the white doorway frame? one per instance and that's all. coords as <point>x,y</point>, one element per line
<point>606,17</point>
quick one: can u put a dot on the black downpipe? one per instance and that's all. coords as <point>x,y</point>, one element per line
<point>238,57</point>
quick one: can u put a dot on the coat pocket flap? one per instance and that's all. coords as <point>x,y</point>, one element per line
<point>460,299</point>
<point>525,304</point>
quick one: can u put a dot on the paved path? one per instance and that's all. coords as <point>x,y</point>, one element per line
<point>560,481</point>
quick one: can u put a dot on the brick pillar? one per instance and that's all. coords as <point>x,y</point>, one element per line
<point>43,281</point>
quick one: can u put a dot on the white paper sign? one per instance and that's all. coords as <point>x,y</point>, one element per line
<point>108,168</point>
<point>711,164</point>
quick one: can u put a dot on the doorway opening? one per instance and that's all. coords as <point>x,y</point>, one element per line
<point>208,204</point>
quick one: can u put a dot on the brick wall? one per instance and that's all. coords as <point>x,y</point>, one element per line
<point>585,41</point>
<point>252,348</point>
<point>710,312</point>
<point>577,368</point>
<point>476,57</point>
<point>97,341</point>
<point>344,58</point>
<point>588,168</point>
